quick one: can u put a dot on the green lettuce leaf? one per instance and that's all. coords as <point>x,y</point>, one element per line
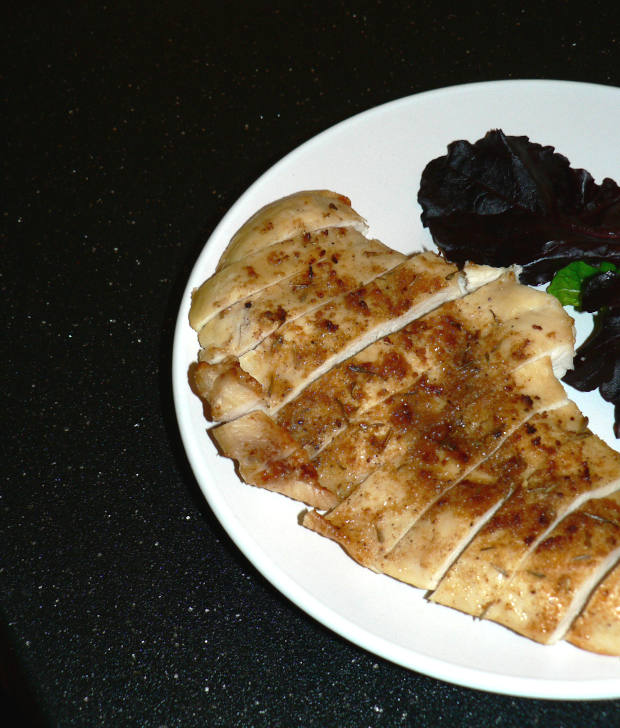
<point>567,283</point>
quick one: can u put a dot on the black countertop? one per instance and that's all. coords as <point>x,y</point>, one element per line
<point>132,128</point>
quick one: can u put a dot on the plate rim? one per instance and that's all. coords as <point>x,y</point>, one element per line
<point>469,677</point>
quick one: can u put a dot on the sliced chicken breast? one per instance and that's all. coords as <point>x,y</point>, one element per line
<point>416,409</point>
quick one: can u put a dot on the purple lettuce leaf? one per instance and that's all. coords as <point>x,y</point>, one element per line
<point>597,361</point>
<point>601,290</point>
<point>506,200</point>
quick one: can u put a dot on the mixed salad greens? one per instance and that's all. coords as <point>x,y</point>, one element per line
<point>505,200</point>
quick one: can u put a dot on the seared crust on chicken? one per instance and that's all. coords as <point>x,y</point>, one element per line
<point>270,460</point>
<point>450,433</point>
<point>259,270</point>
<point>351,413</point>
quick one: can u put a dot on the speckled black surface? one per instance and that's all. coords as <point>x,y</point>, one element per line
<point>132,127</point>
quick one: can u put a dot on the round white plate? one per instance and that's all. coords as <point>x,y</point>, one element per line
<point>376,158</point>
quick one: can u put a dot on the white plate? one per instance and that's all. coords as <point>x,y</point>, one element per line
<point>376,158</point>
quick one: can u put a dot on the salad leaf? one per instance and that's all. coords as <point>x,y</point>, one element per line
<point>568,282</point>
<point>506,200</point>
<point>555,255</point>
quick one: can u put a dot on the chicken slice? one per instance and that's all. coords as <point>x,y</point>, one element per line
<point>444,448</point>
<point>353,261</point>
<point>597,628</point>
<point>576,466</point>
<point>550,587</point>
<point>301,212</point>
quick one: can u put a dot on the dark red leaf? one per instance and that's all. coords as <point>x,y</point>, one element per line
<point>505,200</point>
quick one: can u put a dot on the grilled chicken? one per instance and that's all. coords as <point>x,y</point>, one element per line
<point>417,409</point>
